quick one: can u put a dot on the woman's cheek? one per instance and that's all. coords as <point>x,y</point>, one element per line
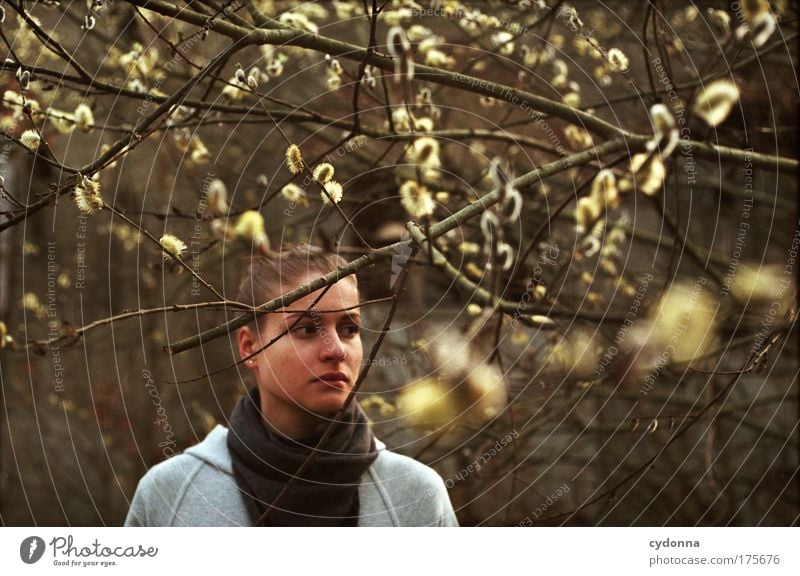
<point>356,352</point>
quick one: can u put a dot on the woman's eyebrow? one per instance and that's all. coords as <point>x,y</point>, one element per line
<point>300,314</point>
<point>349,312</point>
<point>345,309</point>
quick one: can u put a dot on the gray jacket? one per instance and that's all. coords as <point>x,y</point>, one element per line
<point>197,488</point>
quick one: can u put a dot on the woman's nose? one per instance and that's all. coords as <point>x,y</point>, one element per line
<point>333,348</point>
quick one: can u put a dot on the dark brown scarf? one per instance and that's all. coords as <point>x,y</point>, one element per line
<point>263,461</point>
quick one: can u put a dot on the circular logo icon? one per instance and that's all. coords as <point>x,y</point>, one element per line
<point>31,549</point>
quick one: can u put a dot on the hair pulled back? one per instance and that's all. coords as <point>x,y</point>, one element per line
<point>267,277</point>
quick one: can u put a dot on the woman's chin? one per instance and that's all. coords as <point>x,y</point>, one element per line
<point>329,407</point>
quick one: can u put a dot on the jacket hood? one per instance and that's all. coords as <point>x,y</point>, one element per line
<point>214,449</point>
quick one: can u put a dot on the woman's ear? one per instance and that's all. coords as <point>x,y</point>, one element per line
<point>248,344</point>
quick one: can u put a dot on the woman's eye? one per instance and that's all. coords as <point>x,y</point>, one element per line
<point>305,330</point>
<point>350,329</point>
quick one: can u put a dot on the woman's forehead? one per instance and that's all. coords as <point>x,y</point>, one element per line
<point>343,294</point>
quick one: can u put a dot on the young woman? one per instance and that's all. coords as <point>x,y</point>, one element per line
<point>302,380</point>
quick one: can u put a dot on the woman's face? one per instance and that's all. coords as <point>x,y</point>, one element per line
<point>305,377</point>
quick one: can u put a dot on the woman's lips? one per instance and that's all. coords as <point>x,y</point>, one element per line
<point>334,379</point>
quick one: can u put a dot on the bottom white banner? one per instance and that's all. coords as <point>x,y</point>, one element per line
<point>618,551</point>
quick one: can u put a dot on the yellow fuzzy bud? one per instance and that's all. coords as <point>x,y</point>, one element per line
<point>753,283</point>
<point>334,81</point>
<point>425,151</point>
<point>475,394</point>
<point>335,191</point>
<point>172,246</point>
<point>250,227</point>
<point>425,404</point>
<point>294,160</point>
<point>503,41</point>
<point>543,321</point>
<point>487,392</point>
<point>200,154</point>
<point>474,309</point>
<point>665,133</point>
<point>684,322</point>
<point>720,18</point>
<point>439,59</point>
<point>83,117</point>
<point>217,197</point>
<point>86,194</point>
<point>469,248</point>
<point>374,401</point>
<point>15,101</point>
<point>576,355</point>
<point>424,124</point>
<point>235,89</point>
<point>292,192</point>
<point>586,212</point>
<point>30,139</point>
<point>416,199</point>
<point>473,270</point>
<point>578,137</point>
<point>760,21</point>
<point>400,120</point>
<point>617,60</point>
<point>572,99</point>
<point>604,189</point>
<point>62,121</point>
<point>299,21</point>
<point>662,119</point>
<point>323,173</point>
<point>716,101</point>
<point>650,174</point>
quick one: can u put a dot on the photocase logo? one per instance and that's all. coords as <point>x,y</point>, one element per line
<point>31,549</point>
